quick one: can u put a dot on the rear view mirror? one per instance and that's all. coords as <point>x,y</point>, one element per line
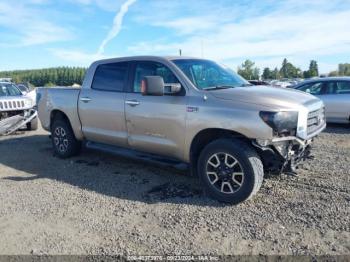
<point>152,86</point>
<point>308,90</point>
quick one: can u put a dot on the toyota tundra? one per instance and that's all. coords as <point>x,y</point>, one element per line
<point>190,110</point>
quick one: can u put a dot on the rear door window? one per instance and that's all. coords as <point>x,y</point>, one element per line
<point>111,77</point>
<point>343,87</point>
<point>332,88</point>
<point>338,87</point>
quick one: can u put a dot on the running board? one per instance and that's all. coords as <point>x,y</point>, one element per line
<point>137,155</point>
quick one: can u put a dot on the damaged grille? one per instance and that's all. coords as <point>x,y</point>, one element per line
<point>12,105</point>
<point>315,120</point>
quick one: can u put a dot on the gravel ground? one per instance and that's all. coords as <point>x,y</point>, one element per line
<point>101,204</point>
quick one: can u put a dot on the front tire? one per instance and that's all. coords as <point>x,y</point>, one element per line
<point>230,170</point>
<point>63,139</point>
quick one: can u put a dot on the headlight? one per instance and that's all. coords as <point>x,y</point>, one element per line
<point>283,123</point>
<point>28,103</point>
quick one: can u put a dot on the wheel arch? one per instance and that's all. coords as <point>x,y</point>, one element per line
<point>206,136</point>
<point>59,114</point>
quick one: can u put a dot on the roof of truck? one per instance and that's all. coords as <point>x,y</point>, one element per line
<point>170,58</point>
<point>180,57</point>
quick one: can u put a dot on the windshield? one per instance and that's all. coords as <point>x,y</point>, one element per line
<point>23,88</point>
<point>206,74</point>
<point>8,89</point>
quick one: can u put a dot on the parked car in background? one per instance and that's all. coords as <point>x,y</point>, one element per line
<point>6,80</point>
<point>259,82</point>
<point>334,92</point>
<point>285,82</point>
<point>16,110</point>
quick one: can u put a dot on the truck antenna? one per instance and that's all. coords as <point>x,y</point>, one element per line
<point>202,48</point>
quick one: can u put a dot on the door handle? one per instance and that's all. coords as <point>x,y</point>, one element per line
<point>85,99</point>
<point>132,102</point>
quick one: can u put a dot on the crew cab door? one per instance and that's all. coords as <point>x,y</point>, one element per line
<point>155,124</point>
<point>101,107</point>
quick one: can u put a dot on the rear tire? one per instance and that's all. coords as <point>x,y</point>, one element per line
<point>230,170</point>
<point>33,125</point>
<point>63,139</point>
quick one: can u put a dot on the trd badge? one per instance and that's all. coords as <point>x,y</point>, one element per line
<point>192,109</point>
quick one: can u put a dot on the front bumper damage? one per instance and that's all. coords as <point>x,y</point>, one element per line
<point>283,155</point>
<point>13,123</point>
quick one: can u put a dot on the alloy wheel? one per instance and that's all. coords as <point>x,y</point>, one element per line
<point>60,139</point>
<point>225,173</point>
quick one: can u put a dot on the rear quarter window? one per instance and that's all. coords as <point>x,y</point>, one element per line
<point>343,87</point>
<point>110,77</point>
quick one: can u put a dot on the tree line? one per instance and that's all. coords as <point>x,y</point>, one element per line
<point>287,70</point>
<point>343,70</point>
<point>58,76</point>
<point>249,71</point>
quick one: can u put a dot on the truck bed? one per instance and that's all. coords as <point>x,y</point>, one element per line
<point>59,98</point>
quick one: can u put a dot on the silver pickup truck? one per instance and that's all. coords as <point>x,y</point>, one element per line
<point>185,109</point>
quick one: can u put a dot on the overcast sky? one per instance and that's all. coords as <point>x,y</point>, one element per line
<point>46,33</point>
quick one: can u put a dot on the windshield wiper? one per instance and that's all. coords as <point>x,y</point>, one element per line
<point>218,87</point>
<point>243,85</point>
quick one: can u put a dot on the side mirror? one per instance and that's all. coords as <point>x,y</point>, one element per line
<point>152,86</point>
<point>172,88</point>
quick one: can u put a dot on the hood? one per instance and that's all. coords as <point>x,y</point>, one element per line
<point>273,97</point>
